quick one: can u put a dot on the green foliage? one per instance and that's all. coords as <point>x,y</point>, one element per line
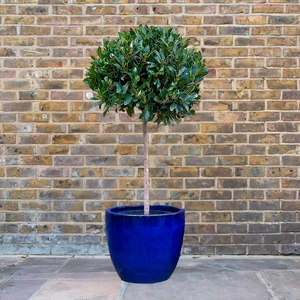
<point>149,68</point>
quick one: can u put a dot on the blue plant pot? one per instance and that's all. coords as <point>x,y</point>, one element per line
<point>144,248</point>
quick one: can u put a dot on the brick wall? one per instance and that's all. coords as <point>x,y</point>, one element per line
<point>234,166</point>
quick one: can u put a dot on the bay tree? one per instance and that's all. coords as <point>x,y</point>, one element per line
<point>151,71</point>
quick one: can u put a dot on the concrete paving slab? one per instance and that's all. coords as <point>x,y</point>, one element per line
<point>205,286</point>
<point>44,261</point>
<point>205,278</point>
<point>88,264</point>
<point>77,276</point>
<point>11,261</point>
<point>8,266</point>
<point>35,270</point>
<point>102,286</point>
<point>284,284</point>
<point>235,264</point>
<point>6,273</point>
<point>20,289</point>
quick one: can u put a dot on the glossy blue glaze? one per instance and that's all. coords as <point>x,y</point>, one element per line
<point>144,249</point>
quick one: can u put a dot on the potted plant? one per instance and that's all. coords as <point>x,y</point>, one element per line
<point>151,70</point>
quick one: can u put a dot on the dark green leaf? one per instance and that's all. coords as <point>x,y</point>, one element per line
<point>128,99</point>
<point>173,106</point>
<point>150,68</point>
<point>119,87</point>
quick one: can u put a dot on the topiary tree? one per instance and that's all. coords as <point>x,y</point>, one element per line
<point>150,69</point>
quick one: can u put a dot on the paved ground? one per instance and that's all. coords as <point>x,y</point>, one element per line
<point>196,278</point>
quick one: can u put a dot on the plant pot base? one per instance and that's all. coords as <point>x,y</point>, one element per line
<point>145,248</point>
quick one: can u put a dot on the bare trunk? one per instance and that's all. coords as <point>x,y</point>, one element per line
<point>146,169</point>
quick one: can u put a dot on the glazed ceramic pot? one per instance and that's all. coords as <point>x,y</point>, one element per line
<point>145,248</point>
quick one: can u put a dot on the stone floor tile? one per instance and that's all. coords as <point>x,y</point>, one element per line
<point>90,264</point>
<point>236,264</point>
<point>284,284</point>
<point>102,286</point>
<point>20,289</point>
<point>44,261</point>
<point>205,286</point>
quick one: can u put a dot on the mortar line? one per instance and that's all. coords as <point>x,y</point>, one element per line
<point>47,280</point>
<point>122,290</point>
<point>267,285</point>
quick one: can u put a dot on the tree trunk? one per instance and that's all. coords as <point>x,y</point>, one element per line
<point>146,169</point>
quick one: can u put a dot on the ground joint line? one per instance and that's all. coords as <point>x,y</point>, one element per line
<point>267,285</point>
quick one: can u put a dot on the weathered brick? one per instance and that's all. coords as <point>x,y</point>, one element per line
<point>35,228</point>
<point>138,183</point>
<point>198,139</point>
<point>9,205</point>
<point>102,160</point>
<point>232,160</point>
<point>217,172</point>
<point>67,206</point>
<point>268,8</point>
<point>52,42</point>
<point>184,172</point>
<point>200,229</point>
<point>264,183</point>
<point>54,150</point>
<point>66,139</point>
<point>101,31</point>
<point>291,160</point>
<point>249,62</point>
<point>231,228</point>
<point>215,217</point>
<point>247,217</point>
<point>218,150</point>
<point>277,41</point>
<point>247,239</point>
<point>265,205</point>
<point>35,30</point>
<point>248,194</point>
<point>290,183</point>
<point>216,195</point>
<point>33,95</point>
<point>234,30</point>
<point>66,117</point>
<point>21,217</point>
<point>199,161</point>
<point>19,239</point>
<point>8,228</point>
<point>67,228</point>
<point>68,161</point>
<point>290,227</point>
<point>167,161</point>
<point>7,10</point>
<point>120,172</point>
<point>51,20</point>
<point>232,183</point>
<point>20,41</point>
<point>34,139</point>
<point>199,205</point>
<point>167,139</point>
<point>250,172</point>
<point>282,194</point>
<point>215,239</point>
<point>264,228</point>
<point>231,205</point>
<point>222,41</point>
<point>62,74</point>
<point>35,183</point>
<point>20,172</point>
<point>234,249</point>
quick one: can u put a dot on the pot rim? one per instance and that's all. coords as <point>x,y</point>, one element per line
<point>121,210</point>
